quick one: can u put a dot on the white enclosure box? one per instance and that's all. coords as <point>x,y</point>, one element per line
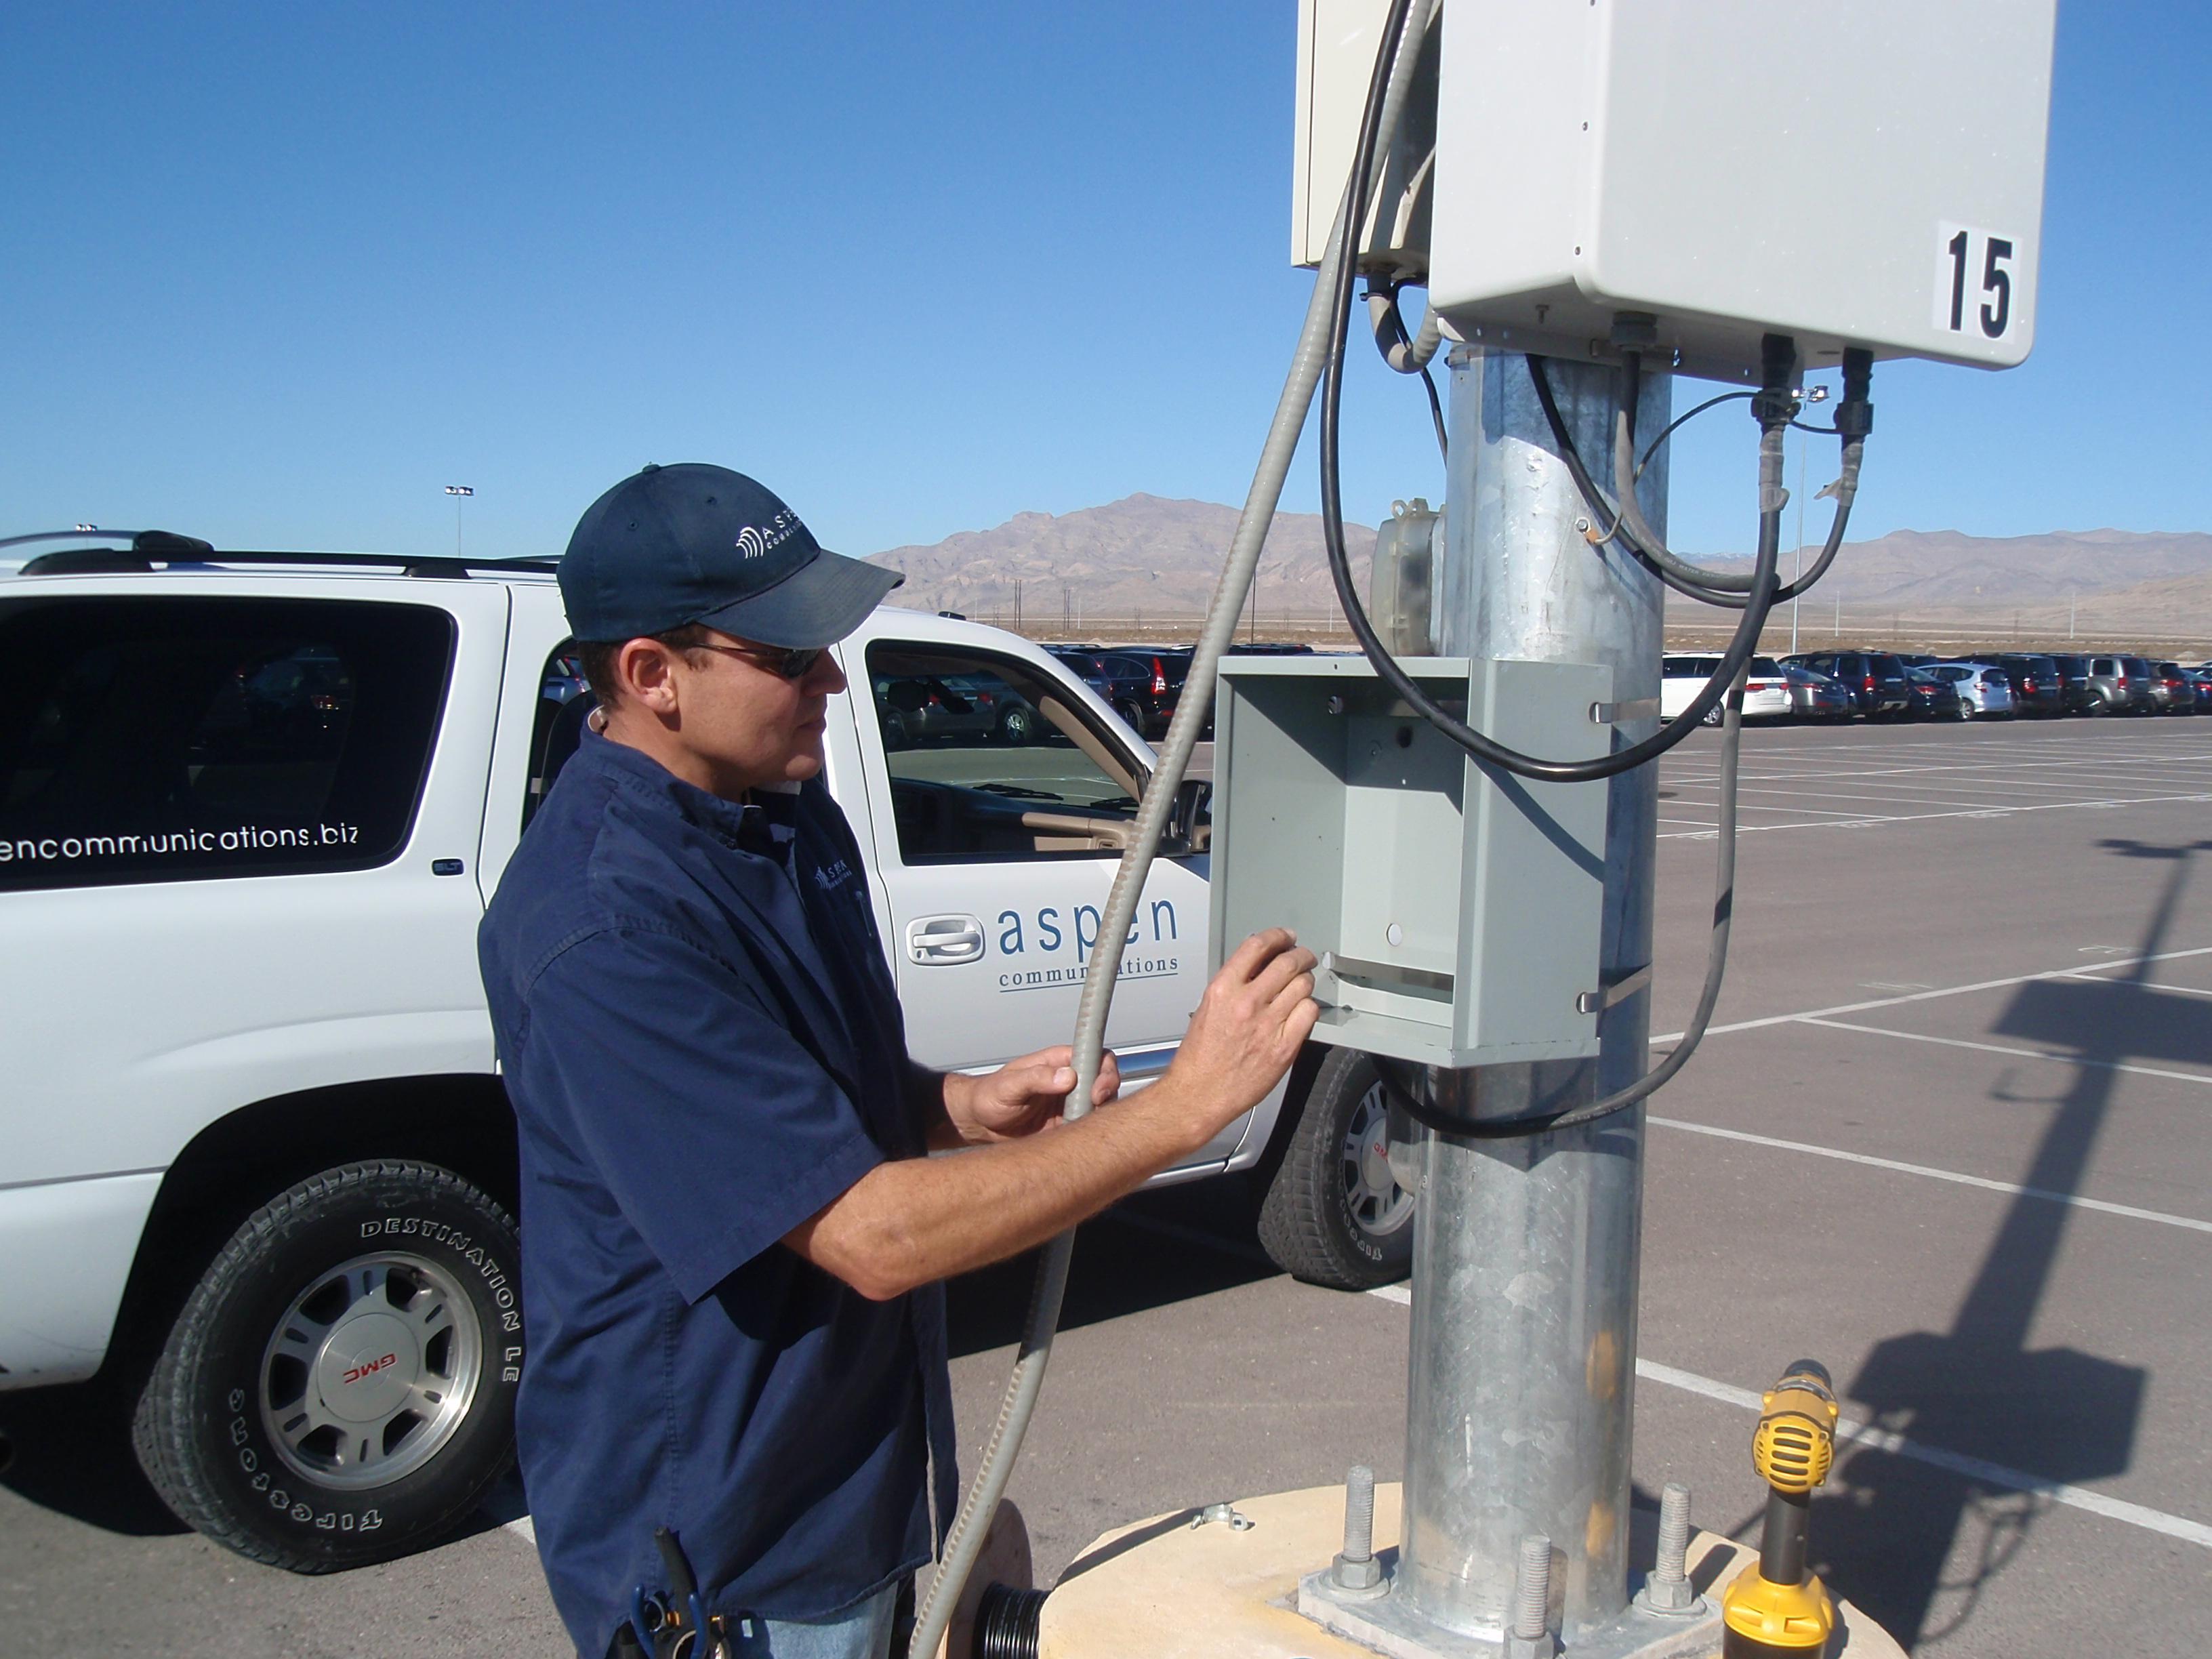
<point>1867,175</point>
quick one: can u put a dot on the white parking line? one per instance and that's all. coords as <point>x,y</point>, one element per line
<point>1877,795</point>
<point>1939,992</point>
<point>2009,1189</point>
<point>2090,974</point>
<point>1850,1432</point>
<point>1933,792</point>
<point>2062,1056</point>
<point>1923,818</point>
<point>2101,761</point>
<point>1816,811</point>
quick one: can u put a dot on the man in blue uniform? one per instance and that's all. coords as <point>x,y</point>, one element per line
<point>732,1236</point>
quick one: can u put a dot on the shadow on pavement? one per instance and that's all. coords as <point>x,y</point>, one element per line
<point>73,1456</point>
<point>1893,1526</point>
<point>1147,1252</point>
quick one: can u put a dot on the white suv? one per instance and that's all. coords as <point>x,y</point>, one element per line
<point>254,1145</point>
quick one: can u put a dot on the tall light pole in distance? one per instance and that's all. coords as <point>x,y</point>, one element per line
<point>1811,394</point>
<point>462,492</point>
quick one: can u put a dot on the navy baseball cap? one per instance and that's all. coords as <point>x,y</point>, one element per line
<point>699,543</point>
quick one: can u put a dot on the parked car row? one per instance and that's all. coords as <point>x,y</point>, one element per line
<point>1144,684</point>
<point>1884,685</point>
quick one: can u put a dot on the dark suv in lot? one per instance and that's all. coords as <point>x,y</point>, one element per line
<point>2038,686</point>
<point>2171,689</point>
<point>2074,682</point>
<point>1876,680</point>
<point>1122,680</point>
<point>1164,671</point>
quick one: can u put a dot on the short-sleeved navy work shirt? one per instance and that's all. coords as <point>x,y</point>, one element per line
<point>703,1047</point>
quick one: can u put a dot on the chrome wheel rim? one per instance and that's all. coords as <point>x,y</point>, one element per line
<point>1378,1203</point>
<point>371,1371</point>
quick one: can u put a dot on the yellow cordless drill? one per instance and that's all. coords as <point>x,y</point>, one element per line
<point>1777,1609</point>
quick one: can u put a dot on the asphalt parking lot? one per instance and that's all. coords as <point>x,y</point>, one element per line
<point>1949,1135</point>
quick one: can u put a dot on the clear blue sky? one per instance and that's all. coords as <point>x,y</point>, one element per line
<point>277,273</point>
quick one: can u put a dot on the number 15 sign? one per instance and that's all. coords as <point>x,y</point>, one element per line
<point>1974,282</point>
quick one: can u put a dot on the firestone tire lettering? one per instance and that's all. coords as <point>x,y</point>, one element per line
<point>206,1388</point>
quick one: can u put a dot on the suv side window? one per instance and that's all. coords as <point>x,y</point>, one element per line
<point>165,738</point>
<point>990,761</point>
<point>564,700</point>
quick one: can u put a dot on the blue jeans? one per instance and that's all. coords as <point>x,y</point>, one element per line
<point>860,1632</point>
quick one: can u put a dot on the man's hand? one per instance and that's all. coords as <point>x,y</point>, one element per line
<point>912,1220</point>
<point>1023,1096</point>
<point>1248,1027</point>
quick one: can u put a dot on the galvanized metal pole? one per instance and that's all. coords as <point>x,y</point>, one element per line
<point>1527,1251</point>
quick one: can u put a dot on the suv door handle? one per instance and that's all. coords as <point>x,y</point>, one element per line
<point>937,941</point>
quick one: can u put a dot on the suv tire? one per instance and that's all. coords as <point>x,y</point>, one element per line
<point>368,1316</point>
<point>1333,1214</point>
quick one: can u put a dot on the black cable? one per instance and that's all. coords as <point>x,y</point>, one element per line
<point>1777,408</point>
<point>1708,996</point>
<point>1694,586</point>
<point>1389,293</point>
<point>1668,431</point>
<point>1436,412</point>
<point>1738,653</point>
<point>1599,504</point>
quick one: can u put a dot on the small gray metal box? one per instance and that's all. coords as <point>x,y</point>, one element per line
<point>1456,908</point>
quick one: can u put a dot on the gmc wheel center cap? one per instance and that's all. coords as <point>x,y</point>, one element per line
<point>368,1368</point>
<point>1375,1166</point>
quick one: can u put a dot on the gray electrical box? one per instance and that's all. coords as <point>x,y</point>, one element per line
<point>1456,908</point>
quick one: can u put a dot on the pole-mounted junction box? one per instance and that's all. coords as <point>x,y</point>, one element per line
<point>1456,908</point>
<point>1868,174</point>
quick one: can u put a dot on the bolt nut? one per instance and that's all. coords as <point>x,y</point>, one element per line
<point>1672,1596</point>
<point>1531,1647</point>
<point>1668,1589</point>
<point>1346,1574</point>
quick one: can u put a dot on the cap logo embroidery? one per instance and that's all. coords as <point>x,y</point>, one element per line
<point>756,543</point>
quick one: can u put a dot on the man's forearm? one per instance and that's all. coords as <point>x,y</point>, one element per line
<point>916,1220</point>
<point>927,1099</point>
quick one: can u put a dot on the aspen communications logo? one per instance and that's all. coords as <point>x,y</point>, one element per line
<point>755,542</point>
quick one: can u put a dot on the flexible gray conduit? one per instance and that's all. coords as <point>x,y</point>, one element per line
<point>965,1541</point>
<point>1407,356</point>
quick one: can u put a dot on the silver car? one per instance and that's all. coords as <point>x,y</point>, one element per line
<point>1985,691</point>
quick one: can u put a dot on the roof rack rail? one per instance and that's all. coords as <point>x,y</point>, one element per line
<point>414,564</point>
<point>84,533</point>
<point>148,545</point>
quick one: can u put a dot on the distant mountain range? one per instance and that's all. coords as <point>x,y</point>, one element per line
<point>1922,570</point>
<point>1148,557</point>
<point>1143,555</point>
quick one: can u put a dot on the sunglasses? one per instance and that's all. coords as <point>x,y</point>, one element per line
<point>790,665</point>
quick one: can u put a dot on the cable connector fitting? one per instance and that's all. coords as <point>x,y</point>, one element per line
<point>1775,404</point>
<point>1855,414</point>
<point>1635,331</point>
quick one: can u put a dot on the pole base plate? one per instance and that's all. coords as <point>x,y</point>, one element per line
<point>1169,1589</point>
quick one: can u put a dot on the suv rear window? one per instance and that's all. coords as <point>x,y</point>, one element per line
<point>146,739</point>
